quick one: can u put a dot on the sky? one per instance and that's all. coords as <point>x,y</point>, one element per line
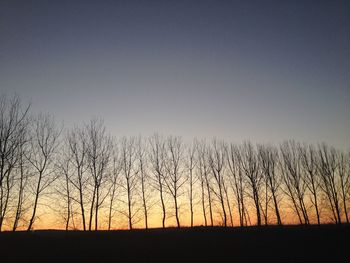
<point>236,70</point>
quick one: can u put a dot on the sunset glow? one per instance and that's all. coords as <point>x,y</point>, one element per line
<point>130,114</point>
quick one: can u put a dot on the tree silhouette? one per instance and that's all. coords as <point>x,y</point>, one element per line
<point>251,169</point>
<point>330,185</point>
<point>98,157</point>
<point>76,141</point>
<point>41,157</point>
<point>114,182</point>
<point>13,140</point>
<point>217,161</point>
<point>204,171</point>
<point>344,178</point>
<point>190,166</point>
<point>309,163</point>
<point>157,159</point>
<point>174,177</point>
<point>143,177</point>
<point>128,159</point>
<point>94,176</point>
<point>268,157</point>
<point>236,179</point>
<point>293,179</point>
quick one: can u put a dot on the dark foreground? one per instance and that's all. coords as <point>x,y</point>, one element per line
<point>328,243</point>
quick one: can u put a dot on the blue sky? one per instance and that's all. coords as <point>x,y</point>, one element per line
<point>259,70</point>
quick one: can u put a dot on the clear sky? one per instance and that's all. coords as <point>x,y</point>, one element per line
<point>259,70</point>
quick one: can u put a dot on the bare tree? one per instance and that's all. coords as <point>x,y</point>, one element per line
<point>78,151</point>
<point>309,163</point>
<point>13,124</point>
<point>174,177</point>
<point>128,158</point>
<point>236,180</point>
<point>157,159</point>
<point>64,188</point>
<point>227,197</point>
<point>42,150</point>
<point>253,174</point>
<point>114,178</point>
<point>204,177</point>
<point>90,168</point>
<point>328,167</point>
<point>190,166</point>
<point>344,177</point>
<point>293,179</point>
<point>143,177</point>
<point>23,172</point>
<point>268,157</point>
<point>98,157</point>
<point>216,161</point>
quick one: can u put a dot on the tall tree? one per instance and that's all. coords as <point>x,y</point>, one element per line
<point>98,158</point>
<point>77,146</point>
<point>204,177</point>
<point>268,157</point>
<point>236,179</point>
<point>251,169</point>
<point>217,161</point>
<point>330,183</point>
<point>293,179</point>
<point>43,146</point>
<point>309,164</point>
<point>13,126</point>
<point>114,182</point>
<point>190,166</point>
<point>344,178</point>
<point>143,177</point>
<point>157,159</point>
<point>174,177</point>
<point>64,187</point>
<point>23,174</point>
<point>128,158</point>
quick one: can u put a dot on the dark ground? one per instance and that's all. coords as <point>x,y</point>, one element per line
<point>327,243</point>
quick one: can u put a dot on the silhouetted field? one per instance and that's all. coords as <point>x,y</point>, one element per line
<point>328,243</point>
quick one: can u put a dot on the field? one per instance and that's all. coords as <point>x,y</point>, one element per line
<point>328,243</point>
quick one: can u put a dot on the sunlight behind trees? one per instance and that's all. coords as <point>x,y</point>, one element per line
<point>85,178</point>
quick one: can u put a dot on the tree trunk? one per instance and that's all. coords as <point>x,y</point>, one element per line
<point>229,208</point>
<point>277,211</point>
<point>257,207</point>
<point>18,209</point>
<point>162,200</point>
<point>144,203</point>
<point>35,203</point>
<point>96,207</point>
<point>81,201</point>
<point>1,205</point>
<point>210,204</point>
<point>223,207</point>
<point>129,208</point>
<point>191,200</point>
<point>92,208</point>
<point>316,207</point>
<point>110,211</point>
<point>68,204</point>
<point>176,212</point>
<point>203,204</point>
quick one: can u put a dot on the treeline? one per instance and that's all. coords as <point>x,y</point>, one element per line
<point>87,179</point>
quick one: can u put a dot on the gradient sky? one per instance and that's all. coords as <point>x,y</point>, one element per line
<point>259,70</point>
